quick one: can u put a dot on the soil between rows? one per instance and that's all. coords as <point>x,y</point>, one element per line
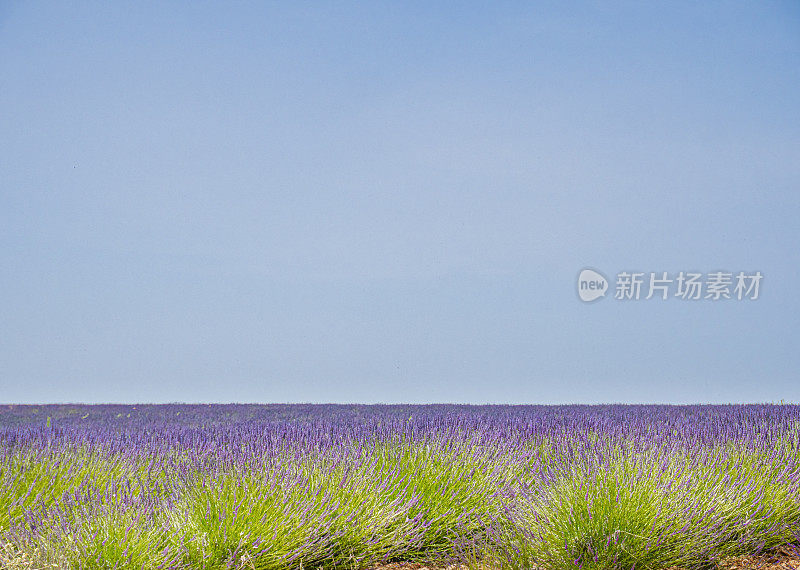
<point>782,559</point>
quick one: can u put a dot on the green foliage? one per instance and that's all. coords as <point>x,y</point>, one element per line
<point>621,505</point>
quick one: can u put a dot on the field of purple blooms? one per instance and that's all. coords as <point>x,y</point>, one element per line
<point>352,486</point>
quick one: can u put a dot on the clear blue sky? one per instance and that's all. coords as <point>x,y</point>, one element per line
<point>391,202</point>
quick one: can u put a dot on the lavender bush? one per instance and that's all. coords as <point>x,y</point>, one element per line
<point>289,486</point>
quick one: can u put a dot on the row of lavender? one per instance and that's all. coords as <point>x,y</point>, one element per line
<point>282,486</point>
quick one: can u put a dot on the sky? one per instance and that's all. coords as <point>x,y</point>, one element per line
<point>391,202</point>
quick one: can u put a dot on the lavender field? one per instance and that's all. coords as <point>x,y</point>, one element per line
<point>290,486</point>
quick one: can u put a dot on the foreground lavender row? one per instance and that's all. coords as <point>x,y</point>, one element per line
<point>281,486</point>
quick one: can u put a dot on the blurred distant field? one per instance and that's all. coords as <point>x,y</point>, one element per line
<point>352,486</point>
